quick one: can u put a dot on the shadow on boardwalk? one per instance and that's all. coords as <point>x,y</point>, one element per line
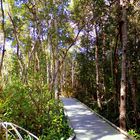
<point>87,125</point>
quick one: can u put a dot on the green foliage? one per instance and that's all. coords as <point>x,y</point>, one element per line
<point>134,134</point>
<point>34,110</point>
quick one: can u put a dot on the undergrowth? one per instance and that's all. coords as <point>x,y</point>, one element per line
<point>34,109</point>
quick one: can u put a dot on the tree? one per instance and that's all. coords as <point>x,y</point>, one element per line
<point>123,92</point>
<point>4,36</point>
<point>97,68</point>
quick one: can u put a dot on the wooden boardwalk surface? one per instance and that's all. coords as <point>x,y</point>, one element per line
<point>87,125</point>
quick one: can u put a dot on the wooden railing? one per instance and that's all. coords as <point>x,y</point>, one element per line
<point>9,129</point>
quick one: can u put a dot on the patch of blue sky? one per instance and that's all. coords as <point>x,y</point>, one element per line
<point>18,3</point>
<point>107,2</point>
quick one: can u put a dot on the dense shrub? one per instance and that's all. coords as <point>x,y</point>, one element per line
<point>35,110</point>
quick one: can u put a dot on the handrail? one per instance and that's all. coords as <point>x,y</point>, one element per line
<point>5,125</point>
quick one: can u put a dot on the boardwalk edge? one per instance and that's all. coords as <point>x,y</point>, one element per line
<point>73,136</point>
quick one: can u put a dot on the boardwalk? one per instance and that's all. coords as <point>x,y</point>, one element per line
<point>87,125</point>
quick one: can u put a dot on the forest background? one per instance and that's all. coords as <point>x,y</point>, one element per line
<point>88,49</point>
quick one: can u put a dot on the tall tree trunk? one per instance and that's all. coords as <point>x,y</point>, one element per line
<point>49,64</point>
<point>56,75</point>
<point>72,73</point>
<point>104,62</point>
<point>97,70</point>
<point>4,37</point>
<point>123,25</point>
<point>56,54</point>
<point>62,79</point>
<point>65,75</point>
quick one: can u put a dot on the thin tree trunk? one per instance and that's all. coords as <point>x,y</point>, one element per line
<point>104,62</point>
<point>56,50</point>
<point>123,22</point>
<point>62,79</point>
<point>4,37</point>
<point>49,69</point>
<point>64,75</point>
<point>72,73</point>
<point>97,70</point>
<point>17,42</point>
<point>56,76</point>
